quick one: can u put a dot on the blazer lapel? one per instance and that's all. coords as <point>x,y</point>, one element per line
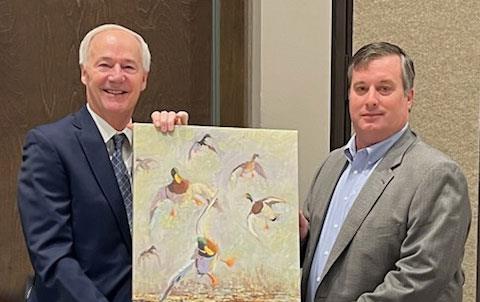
<point>376,184</point>
<point>98,159</point>
<point>334,168</point>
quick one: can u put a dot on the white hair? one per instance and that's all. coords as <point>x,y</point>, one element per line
<point>85,44</point>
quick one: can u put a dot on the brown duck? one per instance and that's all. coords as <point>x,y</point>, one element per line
<point>251,167</point>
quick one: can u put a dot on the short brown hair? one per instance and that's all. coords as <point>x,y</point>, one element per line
<point>377,50</point>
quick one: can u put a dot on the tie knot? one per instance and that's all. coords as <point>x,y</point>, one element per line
<point>118,140</point>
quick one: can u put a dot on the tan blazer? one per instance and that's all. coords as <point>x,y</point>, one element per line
<point>403,239</point>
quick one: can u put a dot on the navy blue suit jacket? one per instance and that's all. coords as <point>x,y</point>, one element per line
<point>72,213</point>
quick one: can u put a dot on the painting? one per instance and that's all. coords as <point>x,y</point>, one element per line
<point>215,214</point>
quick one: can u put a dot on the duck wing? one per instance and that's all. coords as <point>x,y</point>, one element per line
<point>237,167</point>
<point>260,171</point>
<point>211,147</point>
<point>177,278</point>
<point>194,148</point>
<point>251,229</point>
<point>160,196</point>
<point>271,200</point>
<point>205,210</point>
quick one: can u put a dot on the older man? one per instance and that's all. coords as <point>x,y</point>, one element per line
<point>74,192</point>
<point>387,215</point>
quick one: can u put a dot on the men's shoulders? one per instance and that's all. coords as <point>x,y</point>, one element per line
<point>334,161</point>
<point>59,127</point>
<point>336,154</point>
<point>59,135</point>
<point>425,153</point>
<point>423,161</point>
<point>411,152</point>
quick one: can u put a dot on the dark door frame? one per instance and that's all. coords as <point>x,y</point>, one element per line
<point>342,19</point>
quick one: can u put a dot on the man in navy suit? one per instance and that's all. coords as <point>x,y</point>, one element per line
<point>71,206</point>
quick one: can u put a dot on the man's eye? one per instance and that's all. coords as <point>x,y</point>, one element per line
<point>361,89</point>
<point>129,68</point>
<point>385,89</point>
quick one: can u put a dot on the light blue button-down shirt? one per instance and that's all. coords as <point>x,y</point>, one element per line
<point>361,165</point>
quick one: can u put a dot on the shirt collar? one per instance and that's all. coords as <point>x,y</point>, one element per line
<point>106,130</point>
<point>375,151</point>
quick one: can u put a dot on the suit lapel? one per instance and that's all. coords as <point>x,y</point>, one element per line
<point>373,189</point>
<point>98,159</point>
<point>329,174</point>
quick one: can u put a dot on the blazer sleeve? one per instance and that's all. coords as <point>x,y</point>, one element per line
<point>432,251</point>
<point>44,204</point>
<point>307,204</point>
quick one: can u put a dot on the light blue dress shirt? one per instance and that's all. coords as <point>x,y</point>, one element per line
<point>361,164</point>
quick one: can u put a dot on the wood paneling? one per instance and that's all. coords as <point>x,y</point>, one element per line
<point>40,82</point>
<point>233,63</point>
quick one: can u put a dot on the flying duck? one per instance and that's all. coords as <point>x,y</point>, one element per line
<point>250,167</point>
<point>174,191</point>
<point>201,144</point>
<point>262,208</point>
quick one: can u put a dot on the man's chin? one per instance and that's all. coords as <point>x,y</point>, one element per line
<point>368,126</point>
<point>120,108</point>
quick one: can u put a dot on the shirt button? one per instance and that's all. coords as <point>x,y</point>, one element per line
<point>355,171</point>
<point>318,279</point>
<point>325,253</point>
<point>335,225</point>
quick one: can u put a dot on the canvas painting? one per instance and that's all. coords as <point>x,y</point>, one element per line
<point>215,215</point>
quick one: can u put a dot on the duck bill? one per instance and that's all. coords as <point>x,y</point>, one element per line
<point>178,178</point>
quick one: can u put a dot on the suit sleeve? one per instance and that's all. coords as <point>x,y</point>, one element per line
<point>44,203</point>
<point>307,213</point>
<point>432,251</point>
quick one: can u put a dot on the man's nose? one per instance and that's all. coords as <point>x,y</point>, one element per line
<point>116,74</point>
<point>371,98</point>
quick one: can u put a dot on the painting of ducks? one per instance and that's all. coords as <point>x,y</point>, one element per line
<point>214,219</point>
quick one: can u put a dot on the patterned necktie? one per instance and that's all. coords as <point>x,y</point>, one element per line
<point>121,174</point>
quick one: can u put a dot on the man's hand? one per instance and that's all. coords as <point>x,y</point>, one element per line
<point>165,121</point>
<point>303,226</point>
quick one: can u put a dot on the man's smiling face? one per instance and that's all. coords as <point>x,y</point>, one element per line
<point>114,76</point>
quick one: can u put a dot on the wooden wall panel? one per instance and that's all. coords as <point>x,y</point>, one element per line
<point>233,63</point>
<point>40,82</point>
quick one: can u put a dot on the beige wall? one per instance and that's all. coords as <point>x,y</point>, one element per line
<point>443,39</point>
<point>291,75</point>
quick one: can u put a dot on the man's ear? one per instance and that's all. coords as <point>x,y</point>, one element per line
<point>83,75</point>
<point>144,81</point>
<point>410,97</point>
